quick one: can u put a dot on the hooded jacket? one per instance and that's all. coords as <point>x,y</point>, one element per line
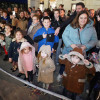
<point>22,66</point>
<point>75,74</point>
<point>88,37</point>
<point>46,70</point>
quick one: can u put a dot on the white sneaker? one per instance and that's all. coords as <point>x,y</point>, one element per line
<point>59,77</point>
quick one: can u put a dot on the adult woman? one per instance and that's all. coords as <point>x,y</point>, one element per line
<point>80,33</point>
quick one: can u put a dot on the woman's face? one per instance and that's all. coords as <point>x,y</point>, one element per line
<point>98,18</point>
<point>43,54</point>
<point>82,20</point>
<point>35,20</point>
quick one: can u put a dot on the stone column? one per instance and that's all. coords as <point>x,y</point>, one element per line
<point>32,3</point>
<point>46,4</point>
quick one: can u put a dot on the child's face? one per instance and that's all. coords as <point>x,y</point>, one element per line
<point>4,14</point>
<point>1,37</point>
<point>8,29</point>
<point>26,50</point>
<point>18,36</point>
<point>46,23</point>
<point>35,20</point>
<point>56,14</point>
<point>43,54</point>
<point>75,59</point>
<point>2,25</point>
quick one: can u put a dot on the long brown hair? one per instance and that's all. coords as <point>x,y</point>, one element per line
<point>75,22</point>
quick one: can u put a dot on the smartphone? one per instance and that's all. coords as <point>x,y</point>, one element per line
<point>13,12</point>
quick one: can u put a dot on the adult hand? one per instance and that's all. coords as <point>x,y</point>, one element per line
<point>44,35</point>
<point>83,47</point>
<point>57,31</point>
<point>73,46</point>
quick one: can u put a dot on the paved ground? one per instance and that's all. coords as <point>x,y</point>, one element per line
<point>11,89</point>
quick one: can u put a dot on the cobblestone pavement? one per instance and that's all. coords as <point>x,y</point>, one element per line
<point>11,89</point>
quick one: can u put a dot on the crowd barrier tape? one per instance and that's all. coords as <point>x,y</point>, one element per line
<point>36,87</point>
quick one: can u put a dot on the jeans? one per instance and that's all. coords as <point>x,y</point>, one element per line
<point>58,50</point>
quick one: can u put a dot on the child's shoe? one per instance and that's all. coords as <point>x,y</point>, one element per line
<point>59,77</point>
<point>5,58</point>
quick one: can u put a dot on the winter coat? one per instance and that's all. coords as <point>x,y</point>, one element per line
<point>21,63</point>
<point>55,24</point>
<point>20,23</point>
<point>13,49</point>
<point>43,41</point>
<point>75,74</point>
<point>46,70</point>
<point>8,40</point>
<point>87,37</point>
<point>98,29</point>
<point>34,30</point>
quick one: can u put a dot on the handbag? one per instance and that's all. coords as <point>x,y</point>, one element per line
<point>50,37</point>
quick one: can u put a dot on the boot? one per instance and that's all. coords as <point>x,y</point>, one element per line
<point>5,58</point>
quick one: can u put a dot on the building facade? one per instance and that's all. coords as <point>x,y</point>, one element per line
<point>68,4</point>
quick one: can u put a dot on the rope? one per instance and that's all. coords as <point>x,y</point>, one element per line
<point>34,86</point>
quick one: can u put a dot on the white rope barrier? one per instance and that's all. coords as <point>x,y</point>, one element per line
<point>34,86</point>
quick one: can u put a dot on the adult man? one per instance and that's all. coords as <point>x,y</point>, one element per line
<point>79,7</point>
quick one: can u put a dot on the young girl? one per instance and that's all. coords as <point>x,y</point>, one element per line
<point>46,66</point>
<point>8,39</point>
<point>14,47</point>
<point>74,76</point>
<point>26,61</point>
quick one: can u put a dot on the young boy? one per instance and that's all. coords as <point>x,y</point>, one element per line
<point>8,39</point>
<point>45,35</point>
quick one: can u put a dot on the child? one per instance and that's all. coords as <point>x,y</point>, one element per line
<point>2,42</point>
<point>45,35</point>
<point>46,66</point>
<point>2,26</point>
<point>8,39</point>
<point>26,61</point>
<point>74,76</point>
<point>14,47</point>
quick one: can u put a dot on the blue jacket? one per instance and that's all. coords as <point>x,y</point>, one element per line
<point>41,41</point>
<point>88,37</point>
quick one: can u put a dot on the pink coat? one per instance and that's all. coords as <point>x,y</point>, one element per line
<point>21,61</point>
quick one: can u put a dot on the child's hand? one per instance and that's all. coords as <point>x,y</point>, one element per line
<point>18,50</point>
<point>44,35</point>
<point>10,59</point>
<point>65,56</point>
<point>37,66</point>
<point>52,50</point>
<point>86,62</point>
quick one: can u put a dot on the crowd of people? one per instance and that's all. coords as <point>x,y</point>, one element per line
<point>29,39</point>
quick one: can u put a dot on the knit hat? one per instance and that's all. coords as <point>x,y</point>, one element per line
<point>46,49</point>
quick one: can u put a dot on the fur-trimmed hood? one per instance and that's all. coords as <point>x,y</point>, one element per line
<point>22,40</point>
<point>46,49</point>
<point>76,51</point>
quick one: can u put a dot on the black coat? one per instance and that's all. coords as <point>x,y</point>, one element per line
<point>98,29</point>
<point>13,53</point>
<point>55,24</point>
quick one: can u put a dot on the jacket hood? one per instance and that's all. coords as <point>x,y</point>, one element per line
<point>78,52</point>
<point>46,49</point>
<point>24,45</point>
<point>22,40</point>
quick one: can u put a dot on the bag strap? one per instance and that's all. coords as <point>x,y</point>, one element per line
<point>79,36</point>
